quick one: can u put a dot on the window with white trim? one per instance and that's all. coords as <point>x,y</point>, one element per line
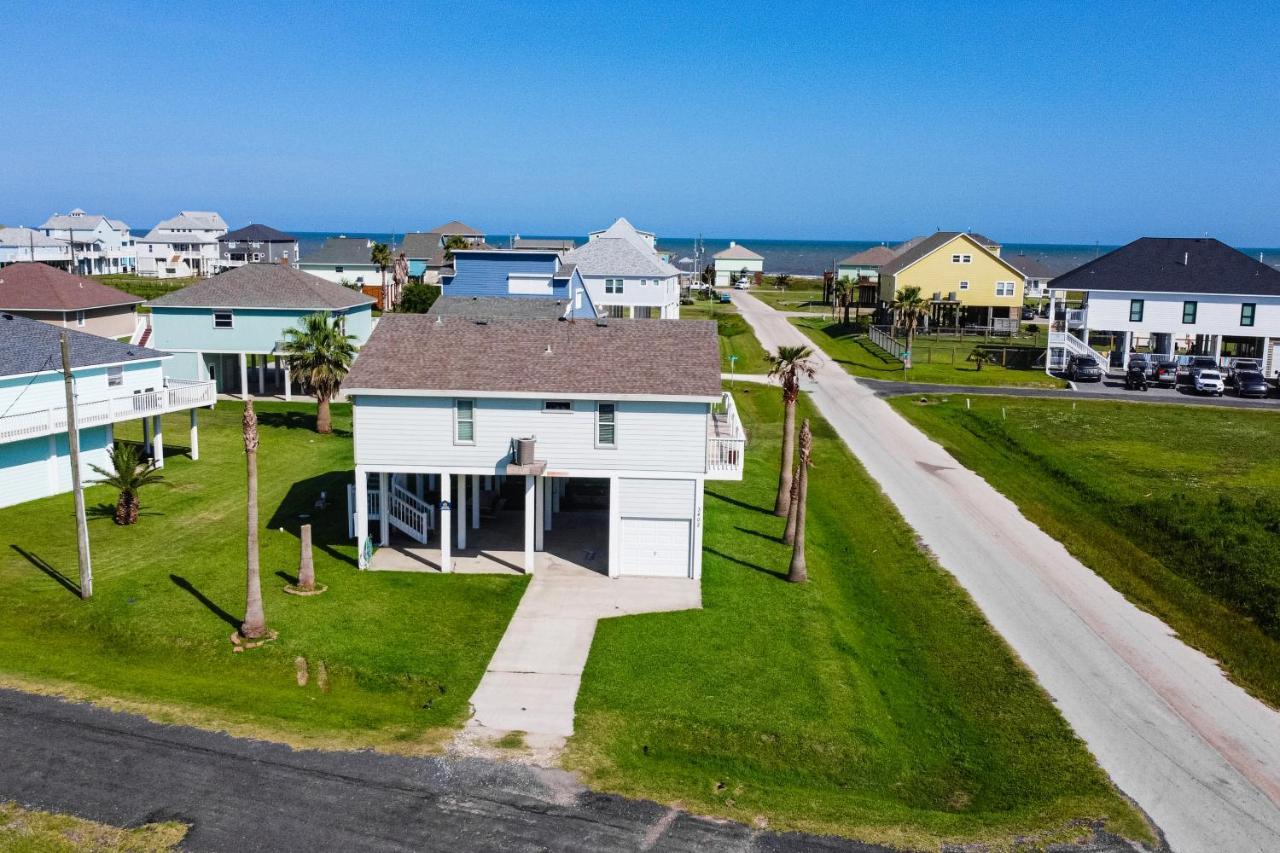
<point>964,285</point>
<point>115,376</point>
<point>613,285</point>
<point>962,259</point>
<point>1005,288</point>
<point>223,320</point>
<point>464,421</point>
<point>557,406</point>
<point>606,425</point>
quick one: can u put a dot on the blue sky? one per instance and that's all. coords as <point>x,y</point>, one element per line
<point>1027,121</point>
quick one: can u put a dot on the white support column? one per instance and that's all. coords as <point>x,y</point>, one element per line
<point>1217,348</point>
<point>529,525</point>
<point>146,437</point>
<point>420,486</point>
<point>278,377</point>
<point>195,436</point>
<point>288,382</point>
<point>475,501</point>
<point>539,524</point>
<point>548,488</point>
<point>362,514</point>
<point>697,529</point>
<point>244,376</point>
<point>384,510</point>
<point>157,442</point>
<point>615,527</point>
<point>262,375</point>
<point>446,524</point>
<point>462,512</point>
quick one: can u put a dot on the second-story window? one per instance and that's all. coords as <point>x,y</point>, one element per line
<point>339,269</point>
<point>223,320</point>
<point>557,406</point>
<point>613,285</point>
<point>1135,310</point>
<point>115,376</point>
<point>1004,288</point>
<point>1189,311</point>
<point>1247,310</point>
<point>464,421</point>
<point>964,285</point>
<point>606,425</point>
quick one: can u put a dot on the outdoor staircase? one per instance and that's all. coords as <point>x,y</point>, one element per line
<point>1063,345</point>
<point>408,513</point>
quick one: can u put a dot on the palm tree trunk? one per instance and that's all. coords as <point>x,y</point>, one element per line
<point>122,507</point>
<point>255,621</point>
<point>324,420</point>
<point>911,337</point>
<point>789,535</point>
<point>799,569</point>
<point>306,565</point>
<point>782,504</point>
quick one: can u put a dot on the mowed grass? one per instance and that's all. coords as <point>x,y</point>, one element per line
<point>792,300</point>
<point>32,831</point>
<point>873,702</point>
<point>144,287</point>
<point>392,658</point>
<point>943,361</point>
<point>736,337</point>
<point>1177,507</point>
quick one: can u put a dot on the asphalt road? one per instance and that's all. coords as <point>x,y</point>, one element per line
<point>1108,389</point>
<point>1200,755</point>
<point>247,795</point>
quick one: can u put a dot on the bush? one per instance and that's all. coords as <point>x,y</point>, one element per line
<point>418,298</point>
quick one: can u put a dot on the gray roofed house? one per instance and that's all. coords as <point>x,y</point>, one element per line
<point>918,247</point>
<point>499,308</point>
<point>265,286</point>
<point>454,228</point>
<point>256,244</point>
<point>182,246</point>
<point>1175,265</point>
<point>619,358</point>
<point>540,243</point>
<point>101,245</point>
<point>30,346</point>
<point>341,250</point>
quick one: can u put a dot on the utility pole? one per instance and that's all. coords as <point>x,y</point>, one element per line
<point>73,441</point>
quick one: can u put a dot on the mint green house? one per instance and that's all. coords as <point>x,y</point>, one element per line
<point>232,326</point>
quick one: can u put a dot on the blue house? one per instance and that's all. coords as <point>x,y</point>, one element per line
<point>112,382</point>
<point>518,274</point>
<point>220,328</point>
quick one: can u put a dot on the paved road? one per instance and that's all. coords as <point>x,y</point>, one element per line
<point>1199,754</point>
<point>248,795</point>
<point>1108,389</point>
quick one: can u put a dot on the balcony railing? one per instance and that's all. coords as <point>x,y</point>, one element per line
<point>177,395</point>
<point>726,441</point>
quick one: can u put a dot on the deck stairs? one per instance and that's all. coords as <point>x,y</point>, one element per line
<point>409,514</point>
<point>1063,345</point>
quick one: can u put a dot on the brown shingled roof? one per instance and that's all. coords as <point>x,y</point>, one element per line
<point>40,287</point>
<point>873,257</point>
<point>647,358</point>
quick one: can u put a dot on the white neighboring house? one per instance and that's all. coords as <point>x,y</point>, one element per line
<point>625,276</point>
<point>731,262</point>
<point>182,247</point>
<point>99,246</point>
<point>22,245</point>
<point>1171,296</point>
<point>625,419</point>
<point>1036,274</point>
<point>344,260</point>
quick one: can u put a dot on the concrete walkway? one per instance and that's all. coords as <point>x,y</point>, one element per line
<point>1200,755</point>
<point>532,681</point>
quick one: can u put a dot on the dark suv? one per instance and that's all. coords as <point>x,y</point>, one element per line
<point>1167,373</point>
<point>1084,368</point>
<point>1250,383</point>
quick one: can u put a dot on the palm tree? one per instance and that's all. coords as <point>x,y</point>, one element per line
<point>782,281</point>
<point>909,306</point>
<point>255,621</point>
<point>843,293</point>
<point>789,534</point>
<point>129,476</point>
<point>453,241</point>
<point>799,569</point>
<point>789,364</point>
<point>320,354</point>
<point>380,254</point>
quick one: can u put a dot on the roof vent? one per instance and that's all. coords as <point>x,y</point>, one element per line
<point>547,351</point>
<point>602,322</point>
<point>482,322</point>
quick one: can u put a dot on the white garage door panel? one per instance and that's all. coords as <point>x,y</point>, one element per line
<point>657,547</point>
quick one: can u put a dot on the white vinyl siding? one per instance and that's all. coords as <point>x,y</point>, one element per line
<point>656,498</point>
<point>1162,312</point>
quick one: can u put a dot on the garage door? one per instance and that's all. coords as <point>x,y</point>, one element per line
<point>656,547</point>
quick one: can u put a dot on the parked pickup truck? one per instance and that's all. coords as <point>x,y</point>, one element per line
<point>1209,382</point>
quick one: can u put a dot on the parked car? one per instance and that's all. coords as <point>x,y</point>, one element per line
<point>724,297</point>
<point>742,283</point>
<point>1167,374</point>
<point>1028,313</point>
<point>1242,365</point>
<point>1251,383</point>
<point>1135,378</point>
<point>1208,382</point>
<point>1190,365</point>
<point>1084,368</point>
<point>1143,363</point>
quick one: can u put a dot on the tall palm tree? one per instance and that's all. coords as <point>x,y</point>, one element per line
<point>789,365</point>
<point>255,621</point>
<point>909,306</point>
<point>320,355</point>
<point>380,254</point>
<point>129,476</point>
<point>844,287</point>
<point>799,569</point>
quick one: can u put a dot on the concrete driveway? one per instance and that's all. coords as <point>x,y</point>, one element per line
<point>1200,755</point>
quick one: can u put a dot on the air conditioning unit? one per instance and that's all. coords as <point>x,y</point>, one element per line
<point>524,450</point>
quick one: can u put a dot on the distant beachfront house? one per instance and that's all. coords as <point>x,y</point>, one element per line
<point>220,328</point>
<point>961,277</point>
<point>1036,274</point>
<point>345,260</point>
<point>864,268</point>
<point>40,292</point>
<point>182,247</point>
<point>98,245</point>
<point>625,275</point>
<point>1175,295</point>
<point>28,245</point>
<point>555,244</point>
<point>256,244</point>
<point>733,261</point>
<point>114,382</point>
<point>518,274</point>
<point>428,254</point>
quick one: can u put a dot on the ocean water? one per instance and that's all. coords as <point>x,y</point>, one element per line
<point>797,257</point>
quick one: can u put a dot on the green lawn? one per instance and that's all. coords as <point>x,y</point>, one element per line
<point>31,831</point>
<point>736,337</point>
<point>144,287</point>
<point>1177,507</point>
<point>873,702</point>
<point>943,361</point>
<point>792,300</point>
<point>402,652</point>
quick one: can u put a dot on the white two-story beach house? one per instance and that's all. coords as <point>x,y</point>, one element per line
<point>112,382</point>
<point>97,245</point>
<point>626,276</point>
<point>181,247</point>
<point>586,439</point>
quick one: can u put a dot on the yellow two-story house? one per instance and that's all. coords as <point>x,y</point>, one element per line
<point>962,278</point>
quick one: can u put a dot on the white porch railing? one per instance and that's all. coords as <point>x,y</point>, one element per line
<point>409,513</point>
<point>1062,345</point>
<point>726,441</point>
<point>177,395</point>
<point>140,326</point>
